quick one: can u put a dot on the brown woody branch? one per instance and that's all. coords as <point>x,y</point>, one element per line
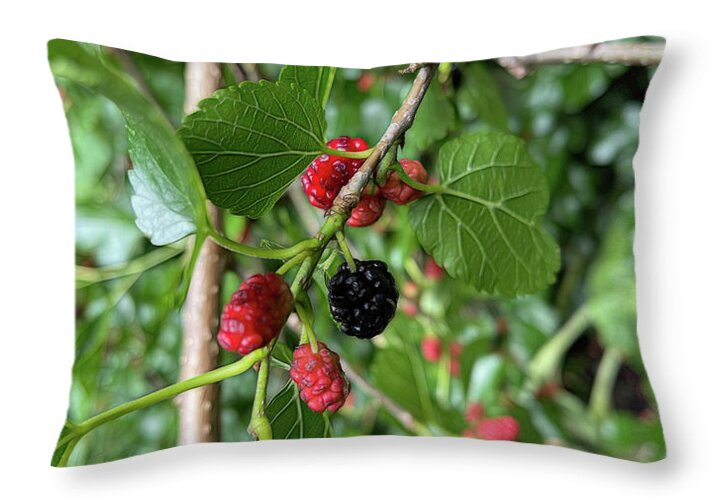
<point>627,53</point>
<point>199,408</point>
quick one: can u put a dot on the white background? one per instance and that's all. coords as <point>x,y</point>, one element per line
<point>673,245</point>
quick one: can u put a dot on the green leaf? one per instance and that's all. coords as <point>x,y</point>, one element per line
<point>96,128</point>
<point>485,228</point>
<point>570,87</point>
<point>480,97</point>
<point>108,232</point>
<point>165,79</point>
<point>290,417</point>
<point>250,143</point>
<point>399,371</point>
<point>623,434</point>
<point>162,213</point>
<point>316,80</point>
<point>487,376</point>
<point>471,354</point>
<point>435,119</point>
<point>169,201</point>
<point>398,376</point>
<point>282,355</point>
<point>583,83</point>
<point>611,284</point>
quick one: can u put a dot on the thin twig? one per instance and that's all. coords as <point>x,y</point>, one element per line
<point>402,415</point>
<point>237,72</point>
<point>251,71</point>
<point>401,121</point>
<point>243,72</point>
<point>412,68</point>
<point>627,53</point>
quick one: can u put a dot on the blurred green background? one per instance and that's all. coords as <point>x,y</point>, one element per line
<point>581,125</point>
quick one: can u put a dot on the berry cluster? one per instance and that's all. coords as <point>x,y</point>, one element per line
<point>363,301</point>
<point>255,314</point>
<point>503,428</point>
<point>319,377</point>
<point>327,174</point>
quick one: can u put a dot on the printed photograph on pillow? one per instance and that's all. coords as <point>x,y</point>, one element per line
<point>267,251</point>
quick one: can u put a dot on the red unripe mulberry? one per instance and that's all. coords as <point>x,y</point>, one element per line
<point>319,377</point>
<point>431,348</point>
<point>399,192</point>
<point>504,428</point>
<point>367,211</point>
<point>255,314</point>
<point>326,175</point>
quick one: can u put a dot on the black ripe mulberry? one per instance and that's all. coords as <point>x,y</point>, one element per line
<point>363,302</point>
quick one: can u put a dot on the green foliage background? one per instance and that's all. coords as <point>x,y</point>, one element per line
<point>580,124</point>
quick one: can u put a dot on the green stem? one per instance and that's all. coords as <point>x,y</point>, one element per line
<point>427,188</point>
<point>546,363</point>
<point>340,236</point>
<point>302,277</point>
<point>198,241</point>
<point>292,262</point>
<point>601,395</point>
<point>358,155</point>
<point>329,229</point>
<point>165,393</point>
<point>174,390</point>
<point>259,424</point>
<point>332,254</point>
<point>308,334</point>
<point>386,165</point>
<point>415,272</point>
<point>86,276</point>
<point>262,253</point>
